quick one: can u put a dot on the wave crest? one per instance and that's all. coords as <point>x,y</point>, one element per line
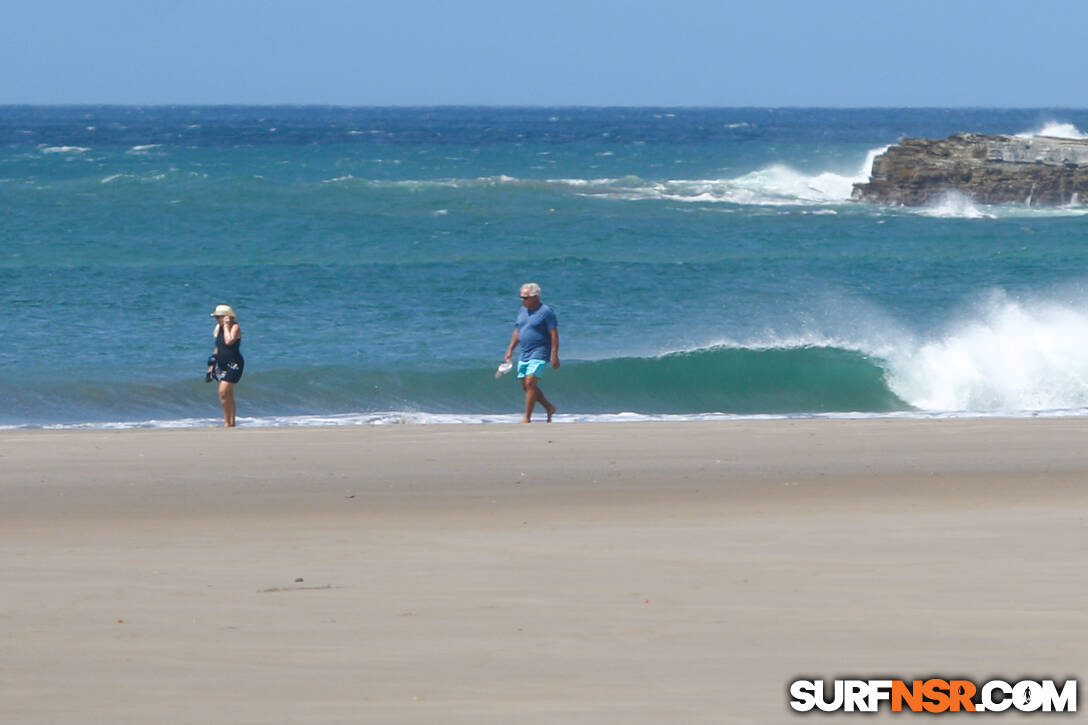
<point>1056,129</point>
<point>1006,357</point>
<point>1013,356</point>
<point>775,185</point>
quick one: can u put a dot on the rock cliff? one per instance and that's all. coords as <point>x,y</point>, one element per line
<point>1037,171</point>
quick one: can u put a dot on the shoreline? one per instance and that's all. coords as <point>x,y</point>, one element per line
<point>411,418</point>
<point>649,572</point>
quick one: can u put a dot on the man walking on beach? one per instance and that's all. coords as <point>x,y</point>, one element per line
<point>538,332</point>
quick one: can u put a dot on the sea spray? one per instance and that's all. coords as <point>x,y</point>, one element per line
<point>1011,356</point>
<point>1056,129</point>
<point>954,204</point>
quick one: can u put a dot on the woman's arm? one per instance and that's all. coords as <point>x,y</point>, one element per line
<point>232,332</point>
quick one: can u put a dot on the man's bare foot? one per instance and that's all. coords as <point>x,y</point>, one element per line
<point>551,411</point>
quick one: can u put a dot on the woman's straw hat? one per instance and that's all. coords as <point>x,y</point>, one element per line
<point>223,311</point>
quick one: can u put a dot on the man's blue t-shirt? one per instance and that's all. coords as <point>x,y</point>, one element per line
<point>534,330</point>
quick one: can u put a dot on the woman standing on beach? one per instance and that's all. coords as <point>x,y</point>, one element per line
<point>227,363</point>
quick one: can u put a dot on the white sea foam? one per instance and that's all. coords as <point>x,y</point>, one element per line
<point>142,150</point>
<point>1056,129</point>
<point>150,177</point>
<point>955,205</point>
<point>64,149</point>
<point>999,356</point>
<point>775,185</point>
<point>395,417</point>
<point>1008,356</point>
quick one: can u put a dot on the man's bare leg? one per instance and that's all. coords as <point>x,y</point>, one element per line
<point>544,401</point>
<point>528,384</point>
<point>534,395</point>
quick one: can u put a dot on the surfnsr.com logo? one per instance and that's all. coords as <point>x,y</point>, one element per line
<point>933,695</point>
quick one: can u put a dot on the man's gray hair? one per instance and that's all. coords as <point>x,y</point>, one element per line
<point>532,288</point>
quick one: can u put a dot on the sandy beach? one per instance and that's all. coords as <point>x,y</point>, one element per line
<point>565,573</point>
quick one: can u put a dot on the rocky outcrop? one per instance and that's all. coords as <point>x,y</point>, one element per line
<point>1037,171</point>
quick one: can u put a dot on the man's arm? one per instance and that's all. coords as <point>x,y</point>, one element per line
<point>554,332</point>
<point>512,345</point>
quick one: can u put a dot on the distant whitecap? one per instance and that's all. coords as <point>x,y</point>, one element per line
<point>64,149</point>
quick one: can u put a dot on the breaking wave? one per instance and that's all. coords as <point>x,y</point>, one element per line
<point>775,185</point>
<point>1003,357</point>
<point>1007,356</point>
<point>1056,129</point>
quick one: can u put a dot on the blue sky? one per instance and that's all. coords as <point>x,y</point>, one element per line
<point>554,52</point>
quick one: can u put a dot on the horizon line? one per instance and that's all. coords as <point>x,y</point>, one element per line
<point>512,106</point>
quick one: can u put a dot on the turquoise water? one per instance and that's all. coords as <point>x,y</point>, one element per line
<point>702,262</point>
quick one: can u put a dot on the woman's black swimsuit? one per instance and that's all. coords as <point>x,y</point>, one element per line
<point>229,363</point>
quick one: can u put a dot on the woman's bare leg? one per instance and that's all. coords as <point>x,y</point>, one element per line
<point>226,397</point>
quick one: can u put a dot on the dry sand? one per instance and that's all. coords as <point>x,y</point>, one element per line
<point>596,573</point>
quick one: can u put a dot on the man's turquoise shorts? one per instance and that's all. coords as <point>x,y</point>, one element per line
<point>531,367</point>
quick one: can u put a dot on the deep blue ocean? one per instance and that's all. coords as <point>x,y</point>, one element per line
<point>703,263</point>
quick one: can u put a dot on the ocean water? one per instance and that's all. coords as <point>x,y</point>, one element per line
<point>703,263</point>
